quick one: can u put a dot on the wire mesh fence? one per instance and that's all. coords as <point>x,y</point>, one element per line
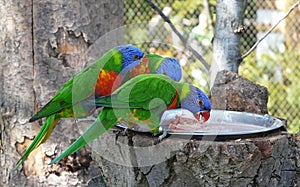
<point>274,64</point>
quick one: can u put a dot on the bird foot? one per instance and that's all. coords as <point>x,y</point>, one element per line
<point>125,131</point>
<point>159,139</point>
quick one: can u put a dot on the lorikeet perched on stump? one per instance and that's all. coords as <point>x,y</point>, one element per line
<point>107,81</point>
<point>142,99</point>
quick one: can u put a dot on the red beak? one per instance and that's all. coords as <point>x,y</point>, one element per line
<point>204,114</point>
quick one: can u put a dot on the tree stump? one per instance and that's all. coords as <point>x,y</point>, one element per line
<point>134,160</point>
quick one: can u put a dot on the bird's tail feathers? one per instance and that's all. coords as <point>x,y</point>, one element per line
<point>43,134</point>
<point>96,130</point>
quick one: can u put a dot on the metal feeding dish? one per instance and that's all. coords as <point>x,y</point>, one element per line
<point>221,122</point>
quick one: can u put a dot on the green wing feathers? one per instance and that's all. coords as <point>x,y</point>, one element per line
<point>61,100</point>
<point>81,86</point>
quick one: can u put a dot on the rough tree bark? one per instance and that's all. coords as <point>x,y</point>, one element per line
<point>226,41</point>
<point>134,160</point>
<point>41,46</point>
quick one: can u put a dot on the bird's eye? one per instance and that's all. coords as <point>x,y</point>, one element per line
<point>135,57</point>
<point>200,103</point>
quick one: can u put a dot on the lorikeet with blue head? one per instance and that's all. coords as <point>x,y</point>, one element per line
<point>107,81</point>
<point>143,100</point>
<point>71,99</point>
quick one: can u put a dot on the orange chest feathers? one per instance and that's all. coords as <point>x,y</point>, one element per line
<point>107,82</point>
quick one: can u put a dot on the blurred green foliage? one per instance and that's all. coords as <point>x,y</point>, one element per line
<point>280,73</point>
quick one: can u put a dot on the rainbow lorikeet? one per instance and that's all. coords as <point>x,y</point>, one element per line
<point>149,64</point>
<point>143,100</point>
<point>98,78</point>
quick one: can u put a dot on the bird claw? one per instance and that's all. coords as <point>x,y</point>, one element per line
<point>162,136</point>
<point>125,131</point>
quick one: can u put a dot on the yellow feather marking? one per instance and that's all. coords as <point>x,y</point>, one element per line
<point>117,58</point>
<point>184,91</point>
<point>158,64</point>
<point>134,112</point>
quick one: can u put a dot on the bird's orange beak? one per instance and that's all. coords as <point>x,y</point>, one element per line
<point>202,116</point>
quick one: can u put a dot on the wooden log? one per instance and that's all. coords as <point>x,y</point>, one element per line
<point>134,160</point>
